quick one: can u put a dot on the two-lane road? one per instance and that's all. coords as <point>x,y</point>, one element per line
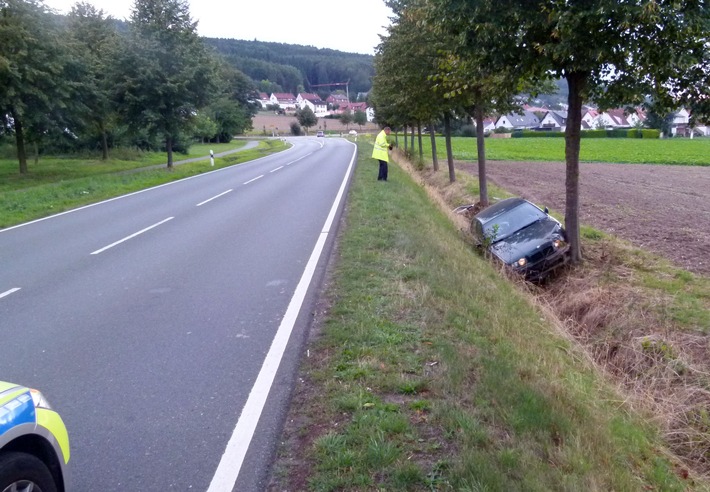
<point>156,322</point>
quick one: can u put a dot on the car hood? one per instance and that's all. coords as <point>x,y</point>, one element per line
<point>526,241</point>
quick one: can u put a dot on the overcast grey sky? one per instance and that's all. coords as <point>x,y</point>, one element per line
<point>344,26</point>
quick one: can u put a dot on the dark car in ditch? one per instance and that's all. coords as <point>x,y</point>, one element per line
<point>523,236</point>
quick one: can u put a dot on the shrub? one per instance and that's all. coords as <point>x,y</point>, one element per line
<point>594,134</point>
<point>467,131</point>
<point>617,133</point>
<point>650,133</point>
<point>296,129</point>
<point>540,134</point>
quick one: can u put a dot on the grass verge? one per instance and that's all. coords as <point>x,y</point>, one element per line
<point>643,321</point>
<point>62,184</point>
<point>431,372</point>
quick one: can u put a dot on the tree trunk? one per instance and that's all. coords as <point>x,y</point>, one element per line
<point>169,148</point>
<point>481,144</point>
<point>411,141</point>
<point>35,148</point>
<point>576,81</point>
<point>449,151</point>
<point>419,137</point>
<point>20,143</point>
<point>405,140</point>
<point>104,142</point>
<point>434,159</point>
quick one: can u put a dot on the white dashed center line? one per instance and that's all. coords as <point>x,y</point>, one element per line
<point>8,292</point>
<point>131,236</point>
<point>214,197</point>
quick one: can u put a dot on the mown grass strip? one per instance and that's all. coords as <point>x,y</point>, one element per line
<point>50,169</point>
<point>432,373</point>
<point>72,185</point>
<point>678,151</point>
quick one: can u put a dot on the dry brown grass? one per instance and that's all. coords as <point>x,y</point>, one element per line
<point>662,369</point>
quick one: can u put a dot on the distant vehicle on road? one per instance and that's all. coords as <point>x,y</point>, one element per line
<point>523,236</point>
<point>34,444</point>
<point>320,133</point>
<point>352,132</point>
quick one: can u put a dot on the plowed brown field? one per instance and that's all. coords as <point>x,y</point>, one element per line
<point>663,209</point>
<point>266,122</point>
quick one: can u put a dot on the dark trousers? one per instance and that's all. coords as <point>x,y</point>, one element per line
<point>383,171</point>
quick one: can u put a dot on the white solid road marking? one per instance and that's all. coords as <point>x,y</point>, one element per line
<point>131,236</point>
<point>252,180</point>
<point>228,469</point>
<point>214,197</point>
<point>8,292</point>
<point>274,170</point>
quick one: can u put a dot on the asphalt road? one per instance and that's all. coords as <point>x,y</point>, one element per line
<point>155,322</point>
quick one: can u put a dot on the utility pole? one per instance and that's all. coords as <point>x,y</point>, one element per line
<point>337,84</point>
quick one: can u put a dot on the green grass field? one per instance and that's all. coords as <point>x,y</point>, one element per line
<point>56,184</point>
<point>695,152</point>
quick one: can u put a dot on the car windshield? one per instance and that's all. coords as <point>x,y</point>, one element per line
<point>511,221</point>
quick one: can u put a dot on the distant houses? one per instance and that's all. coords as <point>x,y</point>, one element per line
<point>541,119</point>
<point>335,104</point>
<point>285,100</point>
<point>264,100</point>
<point>313,101</point>
<point>529,118</point>
<point>554,120</point>
<point>680,127</point>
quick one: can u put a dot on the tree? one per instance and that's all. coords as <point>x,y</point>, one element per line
<point>269,87</point>
<point>360,118</point>
<point>233,106</point>
<point>655,48</point>
<point>346,117</point>
<point>204,127</point>
<point>403,92</point>
<point>306,118</point>
<point>165,74</point>
<point>659,119</point>
<point>93,38</point>
<point>34,84</point>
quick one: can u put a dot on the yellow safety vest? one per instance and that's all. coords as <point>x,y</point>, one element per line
<point>381,146</point>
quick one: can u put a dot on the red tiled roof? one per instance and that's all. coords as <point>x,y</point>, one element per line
<point>284,95</point>
<point>310,97</point>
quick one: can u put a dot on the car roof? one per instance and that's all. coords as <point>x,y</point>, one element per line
<point>4,385</point>
<point>499,208</point>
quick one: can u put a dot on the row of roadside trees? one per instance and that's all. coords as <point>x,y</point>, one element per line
<point>448,58</point>
<point>307,119</point>
<point>87,81</point>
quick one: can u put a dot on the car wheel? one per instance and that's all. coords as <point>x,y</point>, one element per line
<point>22,472</point>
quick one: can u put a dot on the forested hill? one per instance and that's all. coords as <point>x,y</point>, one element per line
<point>291,66</point>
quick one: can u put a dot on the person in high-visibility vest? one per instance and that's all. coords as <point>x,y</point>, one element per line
<point>380,153</point>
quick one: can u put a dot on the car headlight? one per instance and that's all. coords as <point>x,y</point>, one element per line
<point>39,400</point>
<point>558,243</point>
<point>521,262</point>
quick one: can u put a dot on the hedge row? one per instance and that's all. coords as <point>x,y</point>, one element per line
<point>620,133</point>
